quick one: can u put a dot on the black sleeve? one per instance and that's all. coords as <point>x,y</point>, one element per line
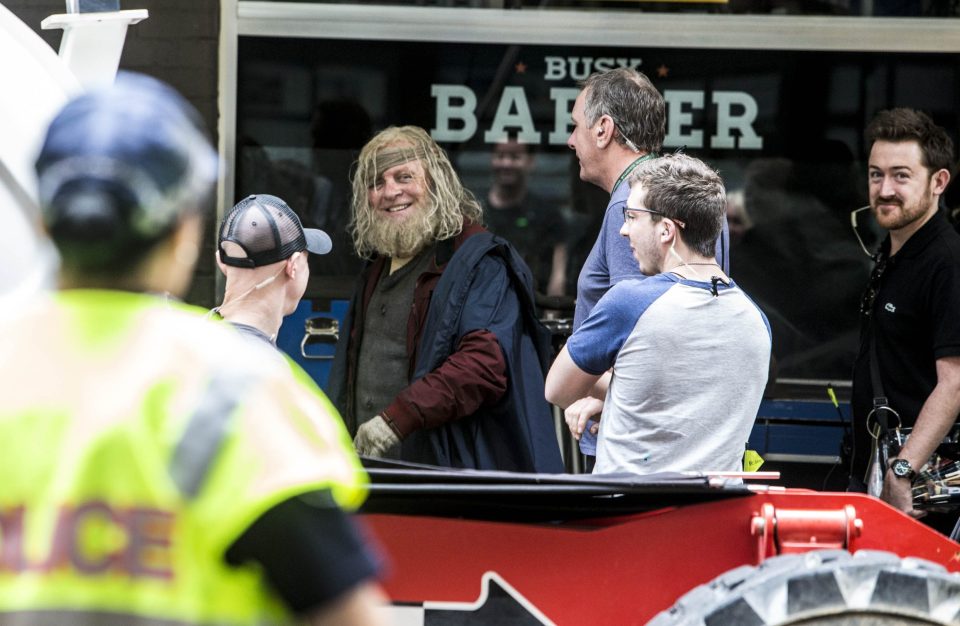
<point>310,550</point>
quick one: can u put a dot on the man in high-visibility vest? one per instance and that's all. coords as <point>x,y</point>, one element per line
<point>155,468</point>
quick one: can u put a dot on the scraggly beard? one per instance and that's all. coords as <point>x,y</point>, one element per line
<point>396,238</point>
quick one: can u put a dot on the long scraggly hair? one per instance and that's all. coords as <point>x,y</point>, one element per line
<point>450,203</point>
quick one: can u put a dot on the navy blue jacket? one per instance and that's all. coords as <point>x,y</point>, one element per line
<point>517,432</point>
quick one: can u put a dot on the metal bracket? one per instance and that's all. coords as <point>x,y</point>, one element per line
<point>92,42</point>
<point>792,531</point>
<point>319,330</point>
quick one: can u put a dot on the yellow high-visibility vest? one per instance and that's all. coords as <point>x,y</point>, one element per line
<point>137,442</point>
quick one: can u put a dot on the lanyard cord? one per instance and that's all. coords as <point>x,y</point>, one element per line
<point>632,166</point>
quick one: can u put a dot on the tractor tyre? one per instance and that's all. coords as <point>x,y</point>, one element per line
<point>823,588</point>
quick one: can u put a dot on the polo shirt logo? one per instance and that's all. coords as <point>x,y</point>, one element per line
<point>889,308</point>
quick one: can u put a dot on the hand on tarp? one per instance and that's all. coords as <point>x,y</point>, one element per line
<point>375,437</point>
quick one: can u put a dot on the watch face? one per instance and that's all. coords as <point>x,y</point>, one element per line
<point>902,468</point>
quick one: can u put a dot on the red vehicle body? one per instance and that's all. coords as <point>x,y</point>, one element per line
<point>589,550</point>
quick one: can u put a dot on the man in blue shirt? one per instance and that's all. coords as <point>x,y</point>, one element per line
<point>669,340</point>
<point>619,122</point>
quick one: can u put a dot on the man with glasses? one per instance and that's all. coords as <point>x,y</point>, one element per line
<point>619,121</point>
<point>909,358</point>
<point>670,403</point>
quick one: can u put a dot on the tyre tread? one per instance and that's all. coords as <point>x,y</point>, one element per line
<point>824,583</point>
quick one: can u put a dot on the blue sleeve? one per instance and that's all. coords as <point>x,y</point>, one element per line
<point>763,315</point>
<point>620,262</point>
<point>594,346</point>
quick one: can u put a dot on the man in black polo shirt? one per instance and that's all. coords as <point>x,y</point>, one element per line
<point>909,310</point>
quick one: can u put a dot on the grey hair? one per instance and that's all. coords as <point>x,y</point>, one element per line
<point>630,99</point>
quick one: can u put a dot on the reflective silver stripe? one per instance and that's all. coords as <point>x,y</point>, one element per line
<point>82,618</point>
<point>205,431</point>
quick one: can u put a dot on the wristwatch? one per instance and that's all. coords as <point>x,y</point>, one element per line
<point>901,469</point>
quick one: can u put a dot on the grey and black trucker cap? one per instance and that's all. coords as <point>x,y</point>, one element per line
<point>267,230</point>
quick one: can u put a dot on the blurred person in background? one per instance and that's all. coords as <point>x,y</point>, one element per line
<point>533,223</point>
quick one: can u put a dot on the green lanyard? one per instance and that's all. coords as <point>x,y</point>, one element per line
<point>632,166</point>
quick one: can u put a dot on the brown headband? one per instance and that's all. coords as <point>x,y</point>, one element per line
<point>391,157</point>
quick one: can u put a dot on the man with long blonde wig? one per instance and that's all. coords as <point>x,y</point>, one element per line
<point>451,204</point>
<point>443,358</point>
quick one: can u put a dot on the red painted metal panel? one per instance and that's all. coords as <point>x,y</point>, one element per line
<point>622,569</point>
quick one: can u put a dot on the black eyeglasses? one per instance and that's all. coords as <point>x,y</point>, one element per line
<point>873,286</point>
<point>626,209</point>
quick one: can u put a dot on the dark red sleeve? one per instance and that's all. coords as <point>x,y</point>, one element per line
<point>473,376</point>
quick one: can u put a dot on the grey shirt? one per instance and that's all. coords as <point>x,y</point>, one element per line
<point>252,331</point>
<point>383,361</point>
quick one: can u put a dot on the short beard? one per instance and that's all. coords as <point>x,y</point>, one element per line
<point>909,213</point>
<point>403,239</point>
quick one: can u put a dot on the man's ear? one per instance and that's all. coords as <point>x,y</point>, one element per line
<point>220,264</point>
<point>940,179</point>
<point>290,268</point>
<point>668,230</point>
<point>605,130</point>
